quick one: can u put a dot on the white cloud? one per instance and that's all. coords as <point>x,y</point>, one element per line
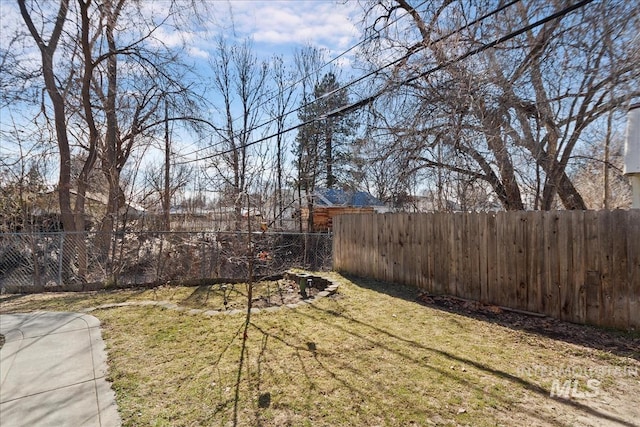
<point>321,23</point>
<point>173,39</point>
<point>11,21</point>
<point>276,27</point>
<point>196,52</point>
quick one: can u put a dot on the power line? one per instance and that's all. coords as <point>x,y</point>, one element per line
<point>414,49</point>
<point>368,100</point>
<point>306,76</point>
<point>295,110</point>
<point>361,42</point>
<point>421,46</point>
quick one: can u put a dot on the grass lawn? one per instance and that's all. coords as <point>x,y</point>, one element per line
<point>368,356</point>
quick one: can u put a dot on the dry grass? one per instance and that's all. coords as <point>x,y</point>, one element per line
<point>369,356</point>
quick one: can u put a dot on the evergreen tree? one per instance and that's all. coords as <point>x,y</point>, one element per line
<point>322,145</point>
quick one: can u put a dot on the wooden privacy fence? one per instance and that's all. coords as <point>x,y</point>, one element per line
<point>579,266</point>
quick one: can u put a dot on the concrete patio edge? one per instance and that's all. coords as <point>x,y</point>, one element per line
<point>54,371</point>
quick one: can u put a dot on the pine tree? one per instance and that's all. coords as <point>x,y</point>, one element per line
<point>322,144</point>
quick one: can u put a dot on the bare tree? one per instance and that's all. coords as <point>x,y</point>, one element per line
<point>105,75</point>
<point>308,150</point>
<point>22,191</point>
<point>161,191</point>
<point>598,174</point>
<point>134,81</point>
<point>48,47</point>
<point>16,75</point>
<point>512,111</point>
<point>281,103</point>
<point>57,87</point>
<point>239,79</point>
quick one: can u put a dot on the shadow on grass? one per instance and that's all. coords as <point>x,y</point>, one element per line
<point>620,343</point>
<point>59,301</point>
<point>241,362</point>
<point>12,297</point>
<point>380,337</point>
<point>201,295</point>
<point>304,343</point>
<point>383,337</point>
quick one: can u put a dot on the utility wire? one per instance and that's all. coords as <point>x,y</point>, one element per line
<point>356,105</point>
<point>370,99</point>
<point>412,50</point>
<point>306,76</point>
<point>326,64</point>
<point>421,46</point>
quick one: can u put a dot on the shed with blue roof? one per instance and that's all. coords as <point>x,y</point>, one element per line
<point>330,202</point>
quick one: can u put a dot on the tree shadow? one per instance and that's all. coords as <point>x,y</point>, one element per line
<point>380,337</point>
<point>16,303</point>
<point>384,339</point>
<point>523,382</point>
<point>11,297</point>
<point>620,343</point>
<point>200,295</point>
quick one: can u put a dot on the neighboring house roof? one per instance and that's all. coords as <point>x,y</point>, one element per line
<point>104,199</point>
<point>335,197</point>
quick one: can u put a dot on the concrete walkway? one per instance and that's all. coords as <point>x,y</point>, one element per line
<point>52,372</point>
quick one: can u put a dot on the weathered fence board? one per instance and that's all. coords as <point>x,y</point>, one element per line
<point>633,265</point>
<point>580,266</point>
<point>593,279</point>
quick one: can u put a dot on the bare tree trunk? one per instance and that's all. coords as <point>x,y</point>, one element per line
<point>281,78</point>
<point>299,204</point>
<point>110,166</point>
<point>309,197</point>
<point>543,89</point>
<point>70,220</point>
<point>607,165</point>
<point>279,200</point>
<point>47,51</point>
<point>166,198</point>
<point>329,153</point>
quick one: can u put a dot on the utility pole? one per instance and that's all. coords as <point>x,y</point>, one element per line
<point>166,199</point>
<point>606,165</point>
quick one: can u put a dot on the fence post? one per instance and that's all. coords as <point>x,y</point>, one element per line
<point>60,255</point>
<point>202,256</point>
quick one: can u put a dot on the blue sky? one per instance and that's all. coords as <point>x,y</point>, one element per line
<point>275,27</point>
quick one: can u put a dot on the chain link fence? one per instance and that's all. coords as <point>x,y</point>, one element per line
<point>35,262</point>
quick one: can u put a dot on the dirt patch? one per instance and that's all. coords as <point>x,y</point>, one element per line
<point>282,292</point>
<point>613,402</point>
<point>618,342</point>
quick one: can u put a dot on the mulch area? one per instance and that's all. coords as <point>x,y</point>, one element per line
<point>621,343</point>
<point>287,292</point>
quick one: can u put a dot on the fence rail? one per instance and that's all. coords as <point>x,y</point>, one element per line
<point>579,266</point>
<point>33,262</point>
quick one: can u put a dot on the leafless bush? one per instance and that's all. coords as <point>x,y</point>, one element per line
<point>33,262</point>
